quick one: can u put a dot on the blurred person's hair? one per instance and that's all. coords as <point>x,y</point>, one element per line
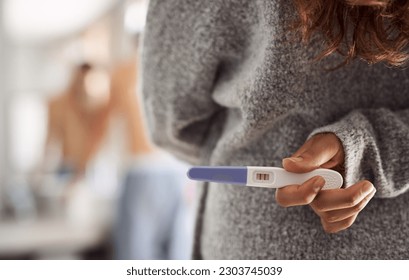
<point>372,30</point>
<point>85,67</point>
<point>78,74</point>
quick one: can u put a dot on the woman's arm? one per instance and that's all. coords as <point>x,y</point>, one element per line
<point>376,146</point>
<point>179,66</point>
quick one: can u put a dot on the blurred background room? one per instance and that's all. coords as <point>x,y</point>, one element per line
<point>79,178</point>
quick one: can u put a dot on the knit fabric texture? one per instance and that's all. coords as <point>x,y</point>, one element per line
<point>227,83</point>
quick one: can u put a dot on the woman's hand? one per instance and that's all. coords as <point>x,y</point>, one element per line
<point>338,208</point>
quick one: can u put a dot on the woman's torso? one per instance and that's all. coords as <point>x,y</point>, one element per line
<point>275,97</point>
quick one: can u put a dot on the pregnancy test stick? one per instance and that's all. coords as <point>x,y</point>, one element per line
<point>264,177</point>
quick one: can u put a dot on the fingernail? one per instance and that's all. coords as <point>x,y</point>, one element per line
<point>368,187</point>
<point>295,159</point>
<point>319,182</point>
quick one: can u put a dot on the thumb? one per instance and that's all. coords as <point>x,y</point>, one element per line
<point>318,151</point>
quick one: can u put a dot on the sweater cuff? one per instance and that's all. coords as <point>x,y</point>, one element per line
<point>353,132</point>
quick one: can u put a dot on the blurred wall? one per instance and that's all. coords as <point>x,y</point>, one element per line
<point>3,114</point>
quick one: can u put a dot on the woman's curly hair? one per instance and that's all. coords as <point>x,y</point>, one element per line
<point>373,30</point>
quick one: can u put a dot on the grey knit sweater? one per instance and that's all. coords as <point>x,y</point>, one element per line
<point>225,83</point>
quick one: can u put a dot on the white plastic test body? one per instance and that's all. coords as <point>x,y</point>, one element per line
<point>275,177</point>
<point>264,177</point>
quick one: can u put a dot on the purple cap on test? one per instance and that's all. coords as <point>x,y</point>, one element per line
<point>236,175</point>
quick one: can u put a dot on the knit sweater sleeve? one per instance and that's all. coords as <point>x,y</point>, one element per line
<point>179,65</point>
<point>376,144</point>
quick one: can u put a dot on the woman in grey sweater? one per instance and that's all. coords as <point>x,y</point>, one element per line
<point>228,83</point>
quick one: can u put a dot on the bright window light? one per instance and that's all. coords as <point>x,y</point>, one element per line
<point>38,20</point>
<point>135,16</point>
<point>28,123</point>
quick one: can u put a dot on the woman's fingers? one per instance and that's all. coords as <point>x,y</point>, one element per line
<point>339,215</point>
<point>303,194</point>
<point>338,209</point>
<point>342,198</point>
<point>338,226</point>
<point>322,150</point>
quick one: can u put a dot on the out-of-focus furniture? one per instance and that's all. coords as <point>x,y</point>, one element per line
<point>48,239</point>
